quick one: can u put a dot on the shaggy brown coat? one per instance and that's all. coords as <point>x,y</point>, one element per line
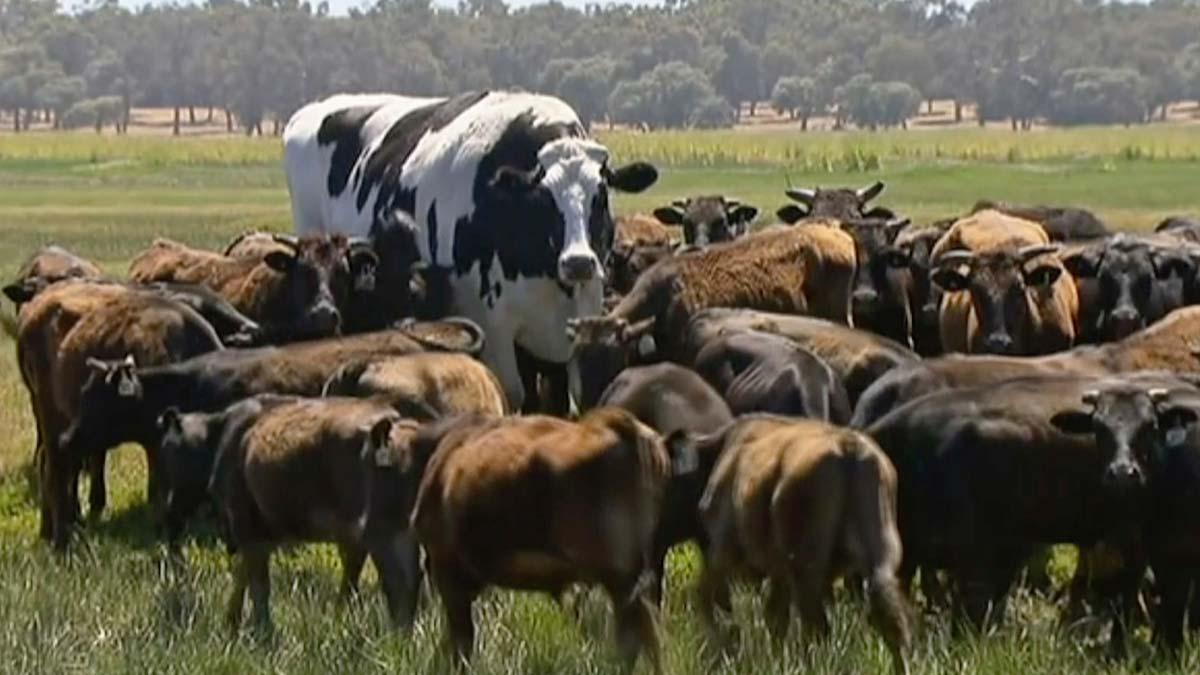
<point>789,500</point>
<point>58,332</point>
<point>424,386</point>
<point>538,503</point>
<point>48,265</point>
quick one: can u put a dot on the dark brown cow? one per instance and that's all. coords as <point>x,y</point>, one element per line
<point>61,335</point>
<point>794,501</point>
<point>805,270</point>
<point>763,372</point>
<point>708,219</point>
<point>882,281</point>
<point>120,402</point>
<point>915,244</point>
<point>310,470</point>
<point>858,357</point>
<point>671,400</point>
<point>539,503</point>
<point>293,295</point>
<point>423,386</point>
<point>639,241</point>
<point>48,265</point>
<point>817,203</point>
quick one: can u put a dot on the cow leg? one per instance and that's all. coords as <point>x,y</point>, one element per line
<point>778,607</point>
<point>1125,603</point>
<point>45,492</point>
<point>257,560</point>
<point>637,625</point>
<point>458,594</point>
<point>397,560</point>
<point>237,596</point>
<point>1174,584</point>
<point>353,558</point>
<point>98,487</point>
<point>713,592</point>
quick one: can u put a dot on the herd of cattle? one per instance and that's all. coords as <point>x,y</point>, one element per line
<point>843,393</point>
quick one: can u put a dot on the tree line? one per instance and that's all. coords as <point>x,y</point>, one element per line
<point>685,63</point>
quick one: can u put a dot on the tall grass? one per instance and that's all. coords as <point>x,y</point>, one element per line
<point>112,607</point>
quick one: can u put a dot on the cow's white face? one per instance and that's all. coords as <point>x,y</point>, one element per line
<point>573,177</point>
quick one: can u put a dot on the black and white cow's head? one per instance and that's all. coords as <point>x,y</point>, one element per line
<point>565,198</point>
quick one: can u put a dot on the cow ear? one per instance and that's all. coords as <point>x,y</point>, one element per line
<point>950,280</point>
<point>791,213</point>
<point>280,261</point>
<point>169,419</point>
<point>514,181</point>
<point>1072,422</point>
<point>669,215</point>
<point>97,365</point>
<point>376,446</point>
<point>1043,276</point>
<point>1175,422</point>
<point>1168,263</point>
<point>632,178</point>
<point>1084,264</point>
<point>21,292</point>
<point>742,213</point>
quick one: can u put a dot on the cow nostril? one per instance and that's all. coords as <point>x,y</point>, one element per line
<point>577,268</point>
<point>998,343</point>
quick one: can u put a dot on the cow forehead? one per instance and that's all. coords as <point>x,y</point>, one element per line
<point>572,168</point>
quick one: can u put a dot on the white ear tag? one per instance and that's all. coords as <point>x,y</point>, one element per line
<point>125,388</point>
<point>1176,436</point>
<point>685,461</point>
<point>647,346</point>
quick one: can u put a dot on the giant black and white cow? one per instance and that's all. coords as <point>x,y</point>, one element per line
<point>506,191</point>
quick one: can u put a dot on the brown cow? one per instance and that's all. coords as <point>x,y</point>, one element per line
<point>539,503</point>
<point>61,334</point>
<point>423,386</point>
<point>916,244</point>
<point>803,270</point>
<point>1005,291</point>
<point>639,241</point>
<point>791,500</point>
<point>294,295</point>
<point>312,470</point>
<point>48,265</point>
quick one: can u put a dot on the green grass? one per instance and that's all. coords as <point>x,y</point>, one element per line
<point>111,607</point>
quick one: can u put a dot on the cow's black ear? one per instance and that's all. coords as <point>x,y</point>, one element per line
<point>791,213</point>
<point>1166,264</point>
<point>950,280</point>
<point>1072,422</point>
<point>169,419</point>
<point>280,261</point>
<point>1177,418</point>
<point>681,448</point>
<point>20,293</point>
<point>633,177</point>
<point>669,215</point>
<point>515,181</point>
<point>1083,265</point>
<point>897,257</point>
<point>742,213</point>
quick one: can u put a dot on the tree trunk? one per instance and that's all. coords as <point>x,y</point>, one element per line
<point>210,115</point>
<point>192,115</point>
<point>804,122</point>
<point>753,106</point>
<point>16,120</point>
<point>175,122</point>
<point>275,127</point>
<point>1163,115</point>
<point>99,123</point>
<point>904,124</point>
<point>228,121</point>
<point>929,106</point>
<point>958,111</point>
<point>1012,121</point>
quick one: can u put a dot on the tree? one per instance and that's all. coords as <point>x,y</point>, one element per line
<point>667,96</point>
<point>778,61</point>
<point>738,77</point>
<point>1099,96</point>
<point>59,94</point>
<point>587,86</point>
<point>798,97</point>
<point>712,113</point>
<point>854,100</point>
<point>893,103</point>
<point>901,59</point>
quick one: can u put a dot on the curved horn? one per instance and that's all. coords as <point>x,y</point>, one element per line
<point>474,347</point>
<point>1158,396</point>
<point>1090,397</point>
<point>1030,252</point>
<point>237,240</point>
<point>803,195</point>
<point>957,257</point>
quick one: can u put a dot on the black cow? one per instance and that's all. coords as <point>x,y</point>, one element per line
<point>708,219</point>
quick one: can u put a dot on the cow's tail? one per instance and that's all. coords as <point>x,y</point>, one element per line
<point>871,534</point>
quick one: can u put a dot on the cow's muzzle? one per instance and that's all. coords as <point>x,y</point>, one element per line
<point>578,269</point>
<point>999,343</point>
<point>1124,475</point>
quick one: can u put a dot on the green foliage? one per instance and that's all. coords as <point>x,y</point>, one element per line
<point>665,97</point>
<point>798,97</point>
<point>1099,96</point>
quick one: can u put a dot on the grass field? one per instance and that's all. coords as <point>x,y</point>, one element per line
<point>110,607</point>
